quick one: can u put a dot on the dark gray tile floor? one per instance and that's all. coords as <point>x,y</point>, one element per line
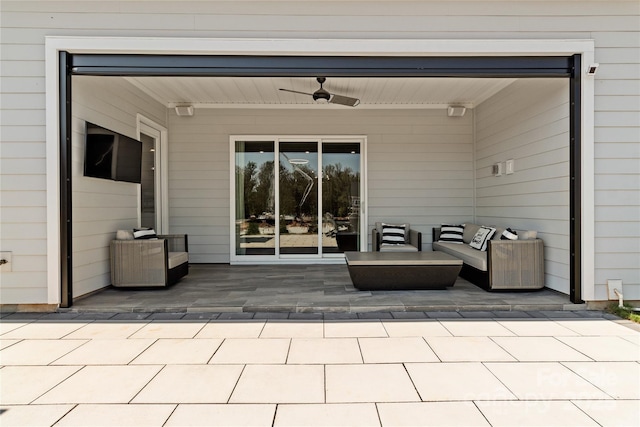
<point>221,288</point>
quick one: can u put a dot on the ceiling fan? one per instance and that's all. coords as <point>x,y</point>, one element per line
<point>322,95</point>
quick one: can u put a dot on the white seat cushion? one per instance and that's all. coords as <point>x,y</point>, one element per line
<point>177,258</point>
<point>467,254</point>
<point>398,248</point>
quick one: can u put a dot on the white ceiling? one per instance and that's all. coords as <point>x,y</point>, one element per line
<point>230,92</point>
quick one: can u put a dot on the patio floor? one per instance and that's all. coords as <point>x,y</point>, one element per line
<point>307,289</point>
<point>570,368</point>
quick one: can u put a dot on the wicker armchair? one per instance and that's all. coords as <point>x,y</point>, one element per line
<point>149,263</point>
<point>413,242</point>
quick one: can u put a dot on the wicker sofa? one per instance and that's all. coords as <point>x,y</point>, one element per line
<point>505,265</point>
<point>149,262</point>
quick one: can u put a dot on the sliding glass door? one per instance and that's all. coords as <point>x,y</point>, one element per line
<point>296,199</point>
<point>255,212</point>
<point>341,197</point>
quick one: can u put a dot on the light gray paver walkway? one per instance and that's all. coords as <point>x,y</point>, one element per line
<point>428,370</point>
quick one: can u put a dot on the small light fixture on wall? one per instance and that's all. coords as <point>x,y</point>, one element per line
<point>456,110</point>
<point>509,167</point>
<point>496,169</point>
<point>184,110</point>
<point>593,69</point>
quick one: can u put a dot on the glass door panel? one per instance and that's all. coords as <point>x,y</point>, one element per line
<point>298,195</point>
<point>255,198</point>
<point>148,182</point>
<point>340,197</point>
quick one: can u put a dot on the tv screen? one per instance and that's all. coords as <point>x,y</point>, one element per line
<point>128,160</point>
<point>98,154</point>
<point>110,155</point>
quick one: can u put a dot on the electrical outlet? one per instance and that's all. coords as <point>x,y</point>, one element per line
<point>614,284</point>
<point>5,262</point>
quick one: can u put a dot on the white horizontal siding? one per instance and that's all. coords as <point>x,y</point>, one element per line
<point>528,122</point>
<point>420,180</point>
<point>375,17</point>
<point>100,207</point>
<point>613,24</point>
<point>617,161</point>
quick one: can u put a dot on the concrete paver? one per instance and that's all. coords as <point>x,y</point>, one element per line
<point>329,369</point>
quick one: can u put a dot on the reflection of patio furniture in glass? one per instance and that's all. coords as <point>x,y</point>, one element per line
<point>347,241</point>
<point>340,230</point>
<point>267,229</point>
<point>412,243</point>
<point>329,226</point>
<point>297,229</point>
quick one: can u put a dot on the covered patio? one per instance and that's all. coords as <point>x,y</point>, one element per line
<point>413,154</point>
<point>313,289</point>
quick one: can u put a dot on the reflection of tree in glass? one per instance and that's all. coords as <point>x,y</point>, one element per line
<point>258,188</point>
<point>265,188</point>
<point>250,184</point>
<point>340,186</point>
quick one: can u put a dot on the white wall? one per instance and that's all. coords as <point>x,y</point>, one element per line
<point>613,24</point>
<point>420,166</point>
<point>100,206</point>
<point>528,122</point>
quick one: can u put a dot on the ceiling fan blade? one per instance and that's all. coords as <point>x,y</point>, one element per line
<point>296,91</point>
<point>344,100</point>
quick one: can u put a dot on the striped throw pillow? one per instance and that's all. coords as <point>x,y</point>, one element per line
<point>450,233</point>
<point>509,234</point>
<point>393,234</point>
<point>144,233</point>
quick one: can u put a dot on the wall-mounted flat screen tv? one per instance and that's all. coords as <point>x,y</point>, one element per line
<point>111,155</point>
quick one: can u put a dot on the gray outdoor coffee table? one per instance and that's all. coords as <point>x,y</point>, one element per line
<point>402,271</point>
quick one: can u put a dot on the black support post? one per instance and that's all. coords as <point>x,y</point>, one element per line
<point>64,108</point>
<point>575,186</point>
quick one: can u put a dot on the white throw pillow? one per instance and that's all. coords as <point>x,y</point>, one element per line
<point>481,238</point>
<point>124,235</point>
<point>527,234</point>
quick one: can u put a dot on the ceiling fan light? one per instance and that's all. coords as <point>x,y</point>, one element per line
<point>321,95</point>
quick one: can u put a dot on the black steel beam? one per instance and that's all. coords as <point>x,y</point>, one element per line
<point>329,66</point>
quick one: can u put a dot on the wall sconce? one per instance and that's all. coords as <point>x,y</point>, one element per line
<point>184,110</point>
<point>496,169</point>
<point>509,167</point>
<point>456,111</point>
